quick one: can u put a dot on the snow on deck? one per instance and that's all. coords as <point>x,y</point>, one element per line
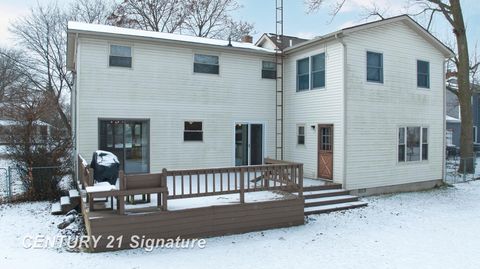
<point>431,229</point>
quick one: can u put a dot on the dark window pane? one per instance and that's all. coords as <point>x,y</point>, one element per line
<point>318,62</point>
<point>425,135</point>
<point>193,126</point>
<point>423,74</point>
<point>424,152</point>
<point>120,61</point>
<point>193,136</point>
<point>423,67</point>
<point>301,140</point>
<point>401,136</point>
<point>303,82</point>
<point>206,68</point>
<point>318,79</point>
<point>122,51</point>
<point>267,65</point>
<point>272,74</point>
<point>303,66</point>
<point>401,153</point>
<point>413,143</point>
<point>374,67</point>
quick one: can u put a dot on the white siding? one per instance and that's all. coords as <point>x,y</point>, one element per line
<point>375,111</point>
<point>318,106</point>
<point>162,87</point>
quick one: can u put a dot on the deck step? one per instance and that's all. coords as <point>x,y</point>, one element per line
<point>324,193</point>
<point>64,200</point>
<point>330,200</point>
<point>73,194</point>
<point>322,187</point>
<point>56,209</point>
<point>333,207</point>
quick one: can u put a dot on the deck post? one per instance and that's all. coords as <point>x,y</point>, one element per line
<point>242,185</point>
<point>121,199</point>
<point>164,195</point>
<point>300,180</point>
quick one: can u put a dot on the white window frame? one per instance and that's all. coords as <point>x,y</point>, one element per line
<point>382,82</point>
<point>475,134</point>
<point>428,81</point>
<point>110,54</point>
<point>193,131</point>
<point>405,161</point>
<point>324,71</point>
<point>298,134</point>
<point>206,54</point>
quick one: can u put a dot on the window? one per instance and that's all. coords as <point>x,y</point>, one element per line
<point>318,71</point>
<point>269,70</point>
<point>120,56</point>
<point>412,144</point>
<point>449,137</point>
<point>301,135</point>
<point>193,131</point>
<point>374,67</point>
<point>423,74</point>
<point>129,141</point>
<point>207,64</point>
<point>303,77</point>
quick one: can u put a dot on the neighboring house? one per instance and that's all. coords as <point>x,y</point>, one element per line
<point>453,115</point>
<point>41,128</point>
<point>363,105</point>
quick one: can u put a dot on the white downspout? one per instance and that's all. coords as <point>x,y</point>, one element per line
<point>340,39</point>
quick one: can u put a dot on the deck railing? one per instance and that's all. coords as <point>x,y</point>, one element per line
<point>176,184</point>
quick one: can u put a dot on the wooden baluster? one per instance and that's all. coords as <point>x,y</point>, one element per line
<point>198,182</point>
<point>221,180</point>
<point>214,187</point>
<point>228,173</point>
<point>183,184</point>
<point>190,181</point>
<point>242,185</point>
<point>164,195</point>
<point>300,180</point>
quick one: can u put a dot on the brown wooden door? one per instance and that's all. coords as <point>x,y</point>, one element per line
<point>325,151</point>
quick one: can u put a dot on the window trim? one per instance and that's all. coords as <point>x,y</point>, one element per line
<point>405,161</point>
<point>382,78</point>
<point>206,54</point>
<point>261,69</point>
<point>428,74</point>
<point>324,71</point>
<point>298,134</point>
<point>475,134</point>
<point>190,131</point>
<point>110,44</point>
<point>303,74</point>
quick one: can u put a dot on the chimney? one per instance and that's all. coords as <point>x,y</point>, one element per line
<point>247,39</point>
<point>451,74</point>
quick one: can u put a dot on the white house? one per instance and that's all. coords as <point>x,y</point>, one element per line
<point>363,106</point>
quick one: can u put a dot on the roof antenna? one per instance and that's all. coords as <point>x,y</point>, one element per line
<point>229,41</point>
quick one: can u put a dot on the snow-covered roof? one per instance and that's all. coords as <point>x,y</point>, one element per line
<point>16,122</point>
<point>81,27</point>
<point>452,119</point>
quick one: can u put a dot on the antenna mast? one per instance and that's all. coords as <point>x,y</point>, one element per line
<point>279,57</point>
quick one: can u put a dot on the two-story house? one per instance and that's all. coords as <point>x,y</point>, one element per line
<point>362,106</point>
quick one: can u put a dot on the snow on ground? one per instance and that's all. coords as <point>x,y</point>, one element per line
<point>432,229</point>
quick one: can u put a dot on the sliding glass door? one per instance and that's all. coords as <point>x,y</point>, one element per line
<point>248,144</point>
<point>129,141</point>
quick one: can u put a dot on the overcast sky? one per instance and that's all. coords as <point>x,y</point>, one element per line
<point>296,22</point>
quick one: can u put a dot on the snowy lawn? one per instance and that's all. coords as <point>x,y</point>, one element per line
<point>433,229</point>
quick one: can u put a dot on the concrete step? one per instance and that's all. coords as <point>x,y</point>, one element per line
<point>323,187</point>
<point>56,209</point>
<point>330,200</point>
<point>74,197</point>
<point>324,193</point>
<point>334,207</point>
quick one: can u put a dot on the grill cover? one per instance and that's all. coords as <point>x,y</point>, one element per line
<point>105,167</point>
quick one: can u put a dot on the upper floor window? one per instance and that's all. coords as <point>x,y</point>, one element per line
<point>423,74</point>
<point>120,56</point>
<point>193,131</point>
<point>303,76</point>
<point>207,64</point>
<point>412,144</point>
<point>374,67</point>
<point>269,70</point>
<point>318,71</point>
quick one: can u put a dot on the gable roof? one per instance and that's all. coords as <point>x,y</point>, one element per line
<point>285,40</point>
<point>447,52</point>
<point>75,28</point>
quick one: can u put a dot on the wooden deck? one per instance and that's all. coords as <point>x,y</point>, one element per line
<point>165,220</point>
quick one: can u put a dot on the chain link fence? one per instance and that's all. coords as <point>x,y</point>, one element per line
<point>455,165</point>
<point>13,181</point>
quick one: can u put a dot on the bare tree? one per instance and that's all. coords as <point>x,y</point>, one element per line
<point>236,30</point>
<point>10,76</point>
<point>43,35</point>
<point>92,11</point>
<point>151,15</point>
<point>208,18</point>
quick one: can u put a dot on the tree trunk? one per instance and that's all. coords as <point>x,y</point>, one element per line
<point>464,91</point>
